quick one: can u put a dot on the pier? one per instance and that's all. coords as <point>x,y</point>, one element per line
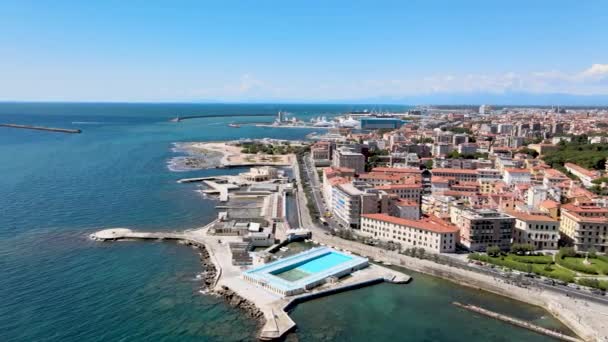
<point>40,128</point>
<point>517,322</point>
<point>274,308</point>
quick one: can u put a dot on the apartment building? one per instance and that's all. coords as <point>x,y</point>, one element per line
<point>513,176</point>
<point>541,231</point>
<point>431,234</point>
<point>411,192</point>
<point>349,202</point>
<point>585,226</point>
<point>483,228</point>
<point>586,176</point>
<point>457,174</point>
<point>346,157</point>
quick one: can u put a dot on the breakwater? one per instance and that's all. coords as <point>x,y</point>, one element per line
<point>517,322</point>
<point>40,128</point>
<point>182,118</point>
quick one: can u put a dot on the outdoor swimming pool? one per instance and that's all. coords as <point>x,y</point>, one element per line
<point>311,266</point>
<point>299,272</point>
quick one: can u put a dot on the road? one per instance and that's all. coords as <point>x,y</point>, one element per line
<point>315,185</point>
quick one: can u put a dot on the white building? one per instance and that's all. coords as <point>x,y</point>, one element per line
<point>513,176</point>
<point>431,234</point>
<point>538,230</point>
<point>586,176</point>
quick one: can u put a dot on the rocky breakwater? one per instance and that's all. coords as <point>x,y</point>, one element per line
<point>241,303</point>
<point>210,273</point>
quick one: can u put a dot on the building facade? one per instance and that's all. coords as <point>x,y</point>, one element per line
<point>432,235</point>
<point>540,231</point>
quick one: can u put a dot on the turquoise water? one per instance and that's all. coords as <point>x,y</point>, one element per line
<point>312,266</point>
<point>56,285</point>
<point>324,262</point>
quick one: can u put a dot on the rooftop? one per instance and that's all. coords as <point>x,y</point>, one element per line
<point>429,224</point>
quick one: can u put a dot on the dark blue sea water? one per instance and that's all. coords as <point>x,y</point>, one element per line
<point>56,285</point>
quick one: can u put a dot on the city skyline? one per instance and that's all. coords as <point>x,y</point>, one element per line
<point>545,53</point>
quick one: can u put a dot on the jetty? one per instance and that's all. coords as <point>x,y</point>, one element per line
<point>229,283</point>
<point>517,322</point>
<point>41,128</point>
<point>194,180</point>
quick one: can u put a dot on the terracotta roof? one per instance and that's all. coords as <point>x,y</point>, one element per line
<point>530,217</point>
<point>514,170</point>
<point>399,186</point>
<point>405,202</point>
<point>549,204</point>
<point>582,170</point>
<point>396,170</point>
<point>455,171</point>
<point>436,226</point>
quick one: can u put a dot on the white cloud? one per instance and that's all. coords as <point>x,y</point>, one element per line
<point>248,87</point>
<point>596,70</point>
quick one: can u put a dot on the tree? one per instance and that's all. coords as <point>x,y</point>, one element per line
<point>567,252</point>
<point>522,248</point>
<point>529,152</point>
<point>493,251</point>
<point>592,253</point>
<point>428,164</point>
<point>421,252</point>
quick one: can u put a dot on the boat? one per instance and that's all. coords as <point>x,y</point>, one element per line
<point>233,125</point>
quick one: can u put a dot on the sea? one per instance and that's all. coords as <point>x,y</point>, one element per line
<point>57,285</point>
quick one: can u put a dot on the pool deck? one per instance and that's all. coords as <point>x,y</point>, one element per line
<point>274,307</point>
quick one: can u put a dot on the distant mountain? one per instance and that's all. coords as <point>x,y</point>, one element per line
<point>528,99</point>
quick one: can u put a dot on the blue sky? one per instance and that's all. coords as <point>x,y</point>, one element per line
<point>301,51</point>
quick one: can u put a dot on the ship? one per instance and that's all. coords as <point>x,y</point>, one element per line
<point>233,125</point>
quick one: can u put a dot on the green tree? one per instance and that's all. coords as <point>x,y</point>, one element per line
<point>493,251</point>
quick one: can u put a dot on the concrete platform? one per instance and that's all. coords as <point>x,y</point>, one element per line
<point>274,307</point>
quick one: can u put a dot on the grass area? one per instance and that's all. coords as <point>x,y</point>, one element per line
<point>595,266</point>
<point>532,259</point>
<point>540,265</point>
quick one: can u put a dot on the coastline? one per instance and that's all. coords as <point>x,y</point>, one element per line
<point>209,155</point>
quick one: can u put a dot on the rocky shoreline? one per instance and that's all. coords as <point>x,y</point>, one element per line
<point>208,279</point>
<point>209,270</point>
<point>241,303</point>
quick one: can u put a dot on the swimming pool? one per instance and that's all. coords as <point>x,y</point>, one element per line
<point>303,271</point>
<point>311,266</point>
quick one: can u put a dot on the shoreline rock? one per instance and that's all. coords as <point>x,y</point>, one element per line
<point>241,303</point>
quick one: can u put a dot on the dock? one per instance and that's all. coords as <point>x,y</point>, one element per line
<point>517,322</point>
<point>41,128</point>
<point>275,309</point>
<point>194,180</point>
